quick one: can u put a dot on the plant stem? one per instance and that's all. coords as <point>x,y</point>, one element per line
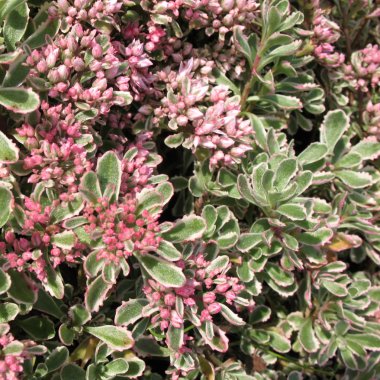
<point>249,84</point>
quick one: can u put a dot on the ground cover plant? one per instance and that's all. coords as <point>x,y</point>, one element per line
<point>189,189</point>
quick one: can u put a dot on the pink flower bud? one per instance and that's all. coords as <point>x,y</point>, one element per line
<point>209,297</point>
<point>175,319</point>
<point>63,5</point>
<point>42,66</point>
<point>97,51</point>
<point>78,64</point>
<point>214,308</point>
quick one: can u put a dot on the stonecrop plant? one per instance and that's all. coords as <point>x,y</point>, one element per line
<point>189,189</point>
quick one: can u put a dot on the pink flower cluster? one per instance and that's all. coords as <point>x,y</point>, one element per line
<point>86,11</point>
<point>212,15</point>
<point>122,229</point>
<point>364,71</point>
<point>11,364</point>
<point>217,128</point>
<point>26,253</point>
<point>201,296</point>
<point>371,118</point>
<point>326,33</point>
<point>136,170</point>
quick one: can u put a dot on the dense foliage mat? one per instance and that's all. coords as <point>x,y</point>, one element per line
<point>189,189</point>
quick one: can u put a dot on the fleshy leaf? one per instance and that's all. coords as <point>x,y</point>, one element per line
<point>334,125</point>
<point>109,173</point>
<point>116,338</point>
<point>96,293</point>
<point>129,312</point>
<point>15,25</point>
<point>8,312</point>
<point>19,100</point>
<point>292,211</point>
<point>354,179</point>
<point>307,337</point>
<point>8,150</point>
<point>187,229</point>
<point>162,271</point>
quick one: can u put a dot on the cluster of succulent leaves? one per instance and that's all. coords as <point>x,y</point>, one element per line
<point>296,221</point>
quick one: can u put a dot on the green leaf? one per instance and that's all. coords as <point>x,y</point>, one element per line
<point>54,284</point>
<point>292,211</point>
<point>79,315</point>
<point>278,342</point>
<point>313,153</point>
<point>223,80</point>
<point>245,189</point>
<point>116,338</point>
<point>66,211</point>
<point>335,288</point>
<point>5,205</point>
<point>15,25</point>
<point>368,341</point>
<point>74,222</point>
<point>354,179</point>
<point>242,44</point>
<point>166,190</point>
<point>66,334</point>
<point>162,271</point>
<point>317,237</point>
<point>47,304</point>
<point>8,150</point>
<point>90,187</point>
<point>148,346</point>
<point>281,51</point>
<point>282,101</point>
<point>96,293</point>
<point>6,7</point>
<point>168,251</point>
<point>48,28</point>
<point>175,337</point>
<point>349,161</point>
<point>19,100</point>
<point>129,312</point>
<point>279,275</point>
<point>109,173</point>
<point>260,313</point>
<point>72,372</point>
<point>174,141</point>
<point>230,316</point>
<point>248,241</point>
<point>307,337</point>
<point>367,149</point>
<point>17,72</point>
<point>148,200</point>
<point>187,229</point>
<point>8,312</point>
<point>116,367</point>
<point>124,98</point>
<point>39,328</point>
<point>57,358</point>
<point>348,358</point>
<point>218,265</point>
<point>334,125</point>
<point>136,367</point>
<point>22,289</point>
<point>64,240</point>
<point>259,129</point>
<point>285,172</point>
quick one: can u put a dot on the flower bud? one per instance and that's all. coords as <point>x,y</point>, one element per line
<point>97,51</point>
<point>214,308</point>
<point>78,64</point>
